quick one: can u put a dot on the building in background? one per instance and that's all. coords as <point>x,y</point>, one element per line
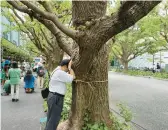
<point>148,60</point>
<point>12,36</point>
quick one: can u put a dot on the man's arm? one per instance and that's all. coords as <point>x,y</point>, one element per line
<point>71,72</point>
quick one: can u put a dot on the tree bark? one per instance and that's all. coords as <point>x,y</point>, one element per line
<point>90,93</point>
<point>83,11</point>
<point>54,58</point>
<point>125,65</point>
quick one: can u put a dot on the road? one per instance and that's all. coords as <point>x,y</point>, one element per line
<point>146,97</point>
<point>22,115</point>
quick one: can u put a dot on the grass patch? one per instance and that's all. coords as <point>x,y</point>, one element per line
<point>160,75</point>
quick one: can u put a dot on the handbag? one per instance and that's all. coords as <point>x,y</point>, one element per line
<point>45,91</point>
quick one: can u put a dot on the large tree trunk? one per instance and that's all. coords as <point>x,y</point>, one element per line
<point>90,93</point>
<point>83,11</point>
<point>125,65</point>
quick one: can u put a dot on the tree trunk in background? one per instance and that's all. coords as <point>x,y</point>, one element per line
<point>125,65</point>
<point>52,63</point>
<point>55,57</point>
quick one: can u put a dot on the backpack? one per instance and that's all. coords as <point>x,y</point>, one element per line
<point>41,72</point>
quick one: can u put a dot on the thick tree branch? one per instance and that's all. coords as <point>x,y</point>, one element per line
<point>48,8</point>
<point>46,38</point>
<point>33,32</point>
<point>34,39</point>
<point>129,13</point>
<point>16,21</point>
<point>48,24</point>
<point>50,16</point>
<point>138,52</point>
<point>46,5</point>
<point>62,42</point>
<point>135,55</point>
<point>16,14</point>
<point>20,8</point>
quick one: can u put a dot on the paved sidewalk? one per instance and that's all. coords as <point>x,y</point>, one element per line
<point>146,97</point>
<point>22,115</point>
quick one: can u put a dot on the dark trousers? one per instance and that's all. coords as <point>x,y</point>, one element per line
<point>55,105</point>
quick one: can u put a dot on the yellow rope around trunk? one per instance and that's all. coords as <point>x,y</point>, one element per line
<point>90,81</point>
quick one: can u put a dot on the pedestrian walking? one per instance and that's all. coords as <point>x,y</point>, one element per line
<point>57,88</point>
<point>40,75</point>
<point>15,76</point>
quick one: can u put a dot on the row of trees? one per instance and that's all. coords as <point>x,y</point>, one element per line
<point>149,35</point>
<point>14,52</point>
<point>86,41</point>
<point>39,40</point>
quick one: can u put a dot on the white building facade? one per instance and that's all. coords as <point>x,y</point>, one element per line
<point>147,60</point>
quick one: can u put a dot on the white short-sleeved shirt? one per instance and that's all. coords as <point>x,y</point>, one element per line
<point>58,81</point>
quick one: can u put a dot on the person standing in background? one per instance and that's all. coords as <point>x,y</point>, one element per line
<point>40,75</point>
<point>158,67</point>
<point>15,76</point>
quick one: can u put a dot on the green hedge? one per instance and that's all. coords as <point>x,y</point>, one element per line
<point>160,75</point>
<point>14,51</point>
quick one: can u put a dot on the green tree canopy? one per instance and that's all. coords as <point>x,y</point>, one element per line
<point>17,53</point>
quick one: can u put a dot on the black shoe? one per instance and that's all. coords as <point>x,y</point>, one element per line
<point>16,100</point>
<point>13,100</point>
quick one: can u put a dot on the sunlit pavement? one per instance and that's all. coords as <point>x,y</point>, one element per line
<point>22,115</point>
<point>147,98</point>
